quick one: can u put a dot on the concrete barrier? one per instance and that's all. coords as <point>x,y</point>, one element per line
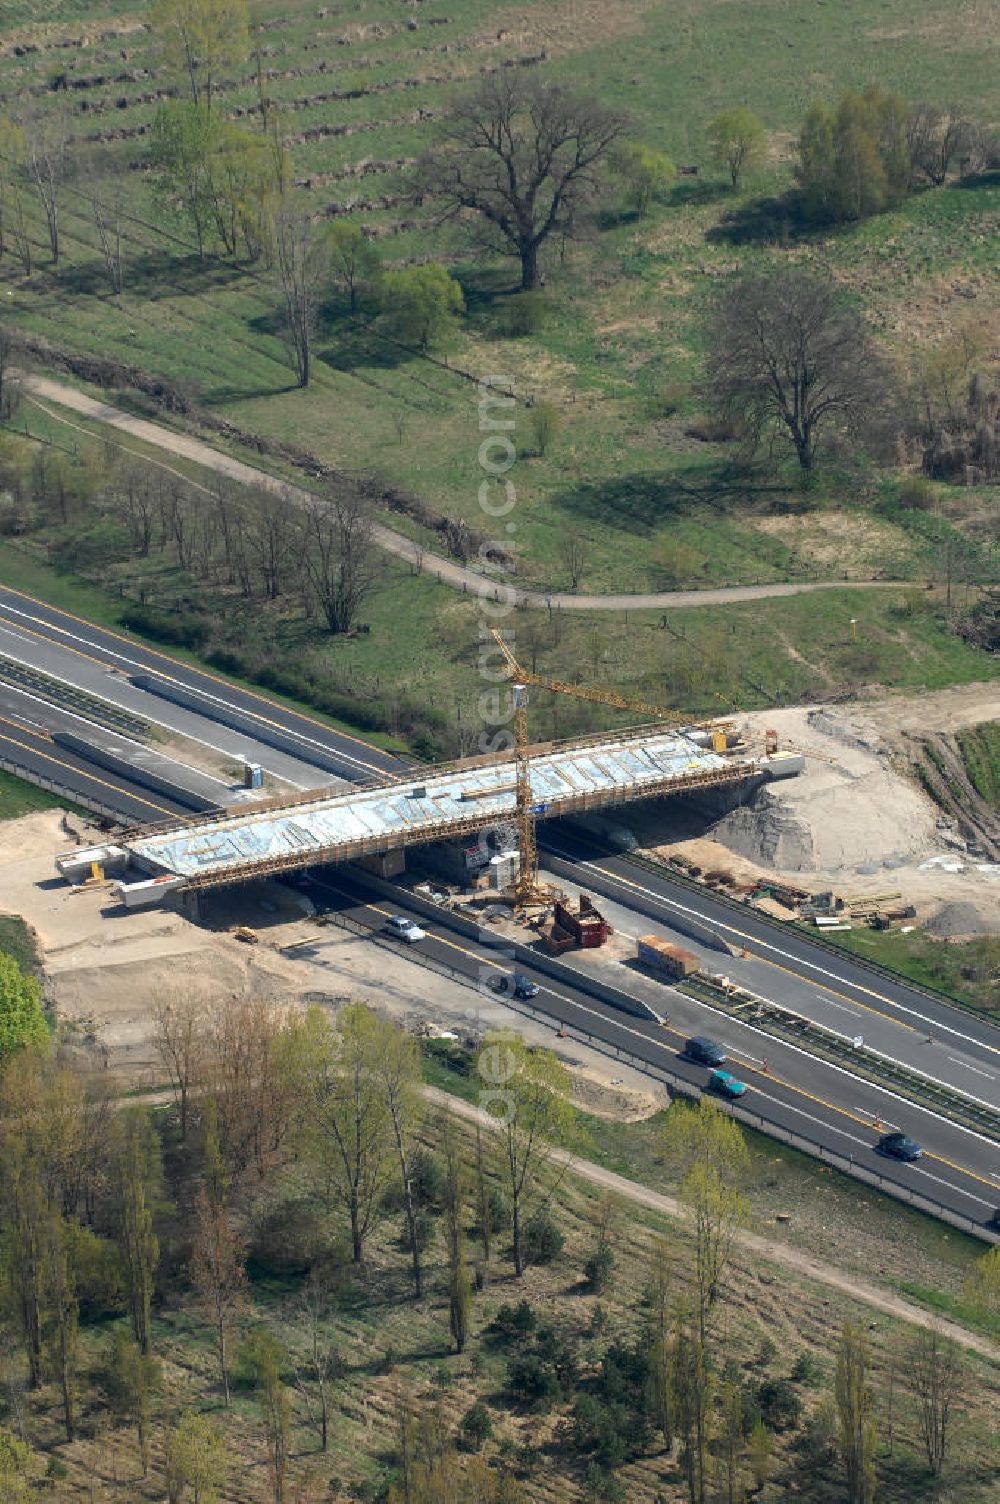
<point>259,728</point>
<point>526,955</point>
<point>133,772</point>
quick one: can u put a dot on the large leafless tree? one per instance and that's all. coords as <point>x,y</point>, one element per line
<point>521,157</point>
<point>301,265</point>
<point>790,361</point>
<point>339,561</point>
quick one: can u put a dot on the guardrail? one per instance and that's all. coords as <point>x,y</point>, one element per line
<point>527,956</point>
<point>810,936</point>
<point>41,781</point>
<point>784,1024</point>
<point>679,1087</point>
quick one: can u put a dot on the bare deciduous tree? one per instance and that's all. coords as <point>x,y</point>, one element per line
<point>339,562</point>
<point>180,1025</point>
<point>937,139</point>
<point>524,157</point>
<point>936,1377</point>
<point>45,153</point>
<point>321,1366</point>
<point>218,1273</point>
<point>790,361</point>
<point>301,262</point>
<point>856,1414</point>
<point>9,382</point>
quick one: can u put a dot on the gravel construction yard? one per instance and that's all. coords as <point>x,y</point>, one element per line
<point>855,820</point>
<point>105,969</point>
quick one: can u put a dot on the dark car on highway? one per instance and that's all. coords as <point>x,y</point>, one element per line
<point>899,1146</point>
<point>520,986</point>
<point>704,1051</point>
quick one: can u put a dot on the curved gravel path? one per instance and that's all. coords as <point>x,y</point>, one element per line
<point>447,571</point>
<point>761,1248</point>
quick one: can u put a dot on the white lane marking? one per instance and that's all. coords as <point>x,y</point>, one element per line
<point>165,725</point>
<point>122,735</point>
<point>829,1002</point>
<point>786,955</point>
<point>792,1107</point>
<point>975,1068</point>
<point>211,698</point>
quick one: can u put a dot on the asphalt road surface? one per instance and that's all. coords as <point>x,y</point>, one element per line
<point>796,1091</point>
<point>44,629</point>
<point>31,749</point>
<point>787,966</point>
<point>960,1169</point>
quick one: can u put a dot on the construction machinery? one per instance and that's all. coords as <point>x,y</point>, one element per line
<point>526,886</point>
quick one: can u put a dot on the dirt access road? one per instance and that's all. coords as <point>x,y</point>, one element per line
<point>761,1248</point>
<point>43,389</point>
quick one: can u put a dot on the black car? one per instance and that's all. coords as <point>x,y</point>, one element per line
<point>704,1051</point>
<point>516,985</point>
<point>899,1146</point>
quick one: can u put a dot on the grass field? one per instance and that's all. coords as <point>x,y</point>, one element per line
<point>422,649</point>
<point>624,307</point>
<point>966,970</point>
<point>18,941</point>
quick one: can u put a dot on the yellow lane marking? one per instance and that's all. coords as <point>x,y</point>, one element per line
<point>791,1086</point>
<point>80,773</point>
<point>819,985</point>
<point>191,668</point>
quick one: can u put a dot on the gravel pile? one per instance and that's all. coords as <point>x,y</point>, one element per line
<point>956,919</point>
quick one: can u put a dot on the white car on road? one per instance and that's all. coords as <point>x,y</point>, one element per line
<point>405,929</point>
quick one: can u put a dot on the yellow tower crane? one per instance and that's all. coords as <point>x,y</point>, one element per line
<point>526,888</point>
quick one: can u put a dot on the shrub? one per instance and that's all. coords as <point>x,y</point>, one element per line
<point>497,1208</point>
<point>806,1370</point>
<point>603,1487</point>
<point>512,1323</point>
<point>421,304</point>
<point>543,1240</point>
<point>289,1239</point>
<point>545,1374</point>
<point>22,1021</point>
<point>599,1267</point>
<point>427,1179</point>
<point>669,397</point>
<point>780,1406</point>
<point>916,494</point>
<point>180,629</point>
<point>524,314</point>
<point>545,425</point>
<point>424,1229</point>
<point>476,1427</point>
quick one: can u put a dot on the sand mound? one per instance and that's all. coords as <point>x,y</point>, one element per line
<point>955,920</point>
<point>849,811</point>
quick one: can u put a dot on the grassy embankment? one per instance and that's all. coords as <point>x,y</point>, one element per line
<point>623,332</point>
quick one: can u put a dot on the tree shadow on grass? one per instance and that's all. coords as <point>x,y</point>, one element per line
<point>759,221</point>
<point>151,274</point>
<point>690,192</point>
<point>639,503</point>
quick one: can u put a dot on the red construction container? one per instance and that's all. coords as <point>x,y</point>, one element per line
<point>660,955</point>
<point>586,924</point>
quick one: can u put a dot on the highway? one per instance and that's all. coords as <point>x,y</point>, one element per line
<point>830,987</point>
<point>28,747</point>
<point>960,1168</point>
<point>47,630</point>
<point>797,1091</point>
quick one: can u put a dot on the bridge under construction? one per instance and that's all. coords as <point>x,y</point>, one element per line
<point>267,838</point>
